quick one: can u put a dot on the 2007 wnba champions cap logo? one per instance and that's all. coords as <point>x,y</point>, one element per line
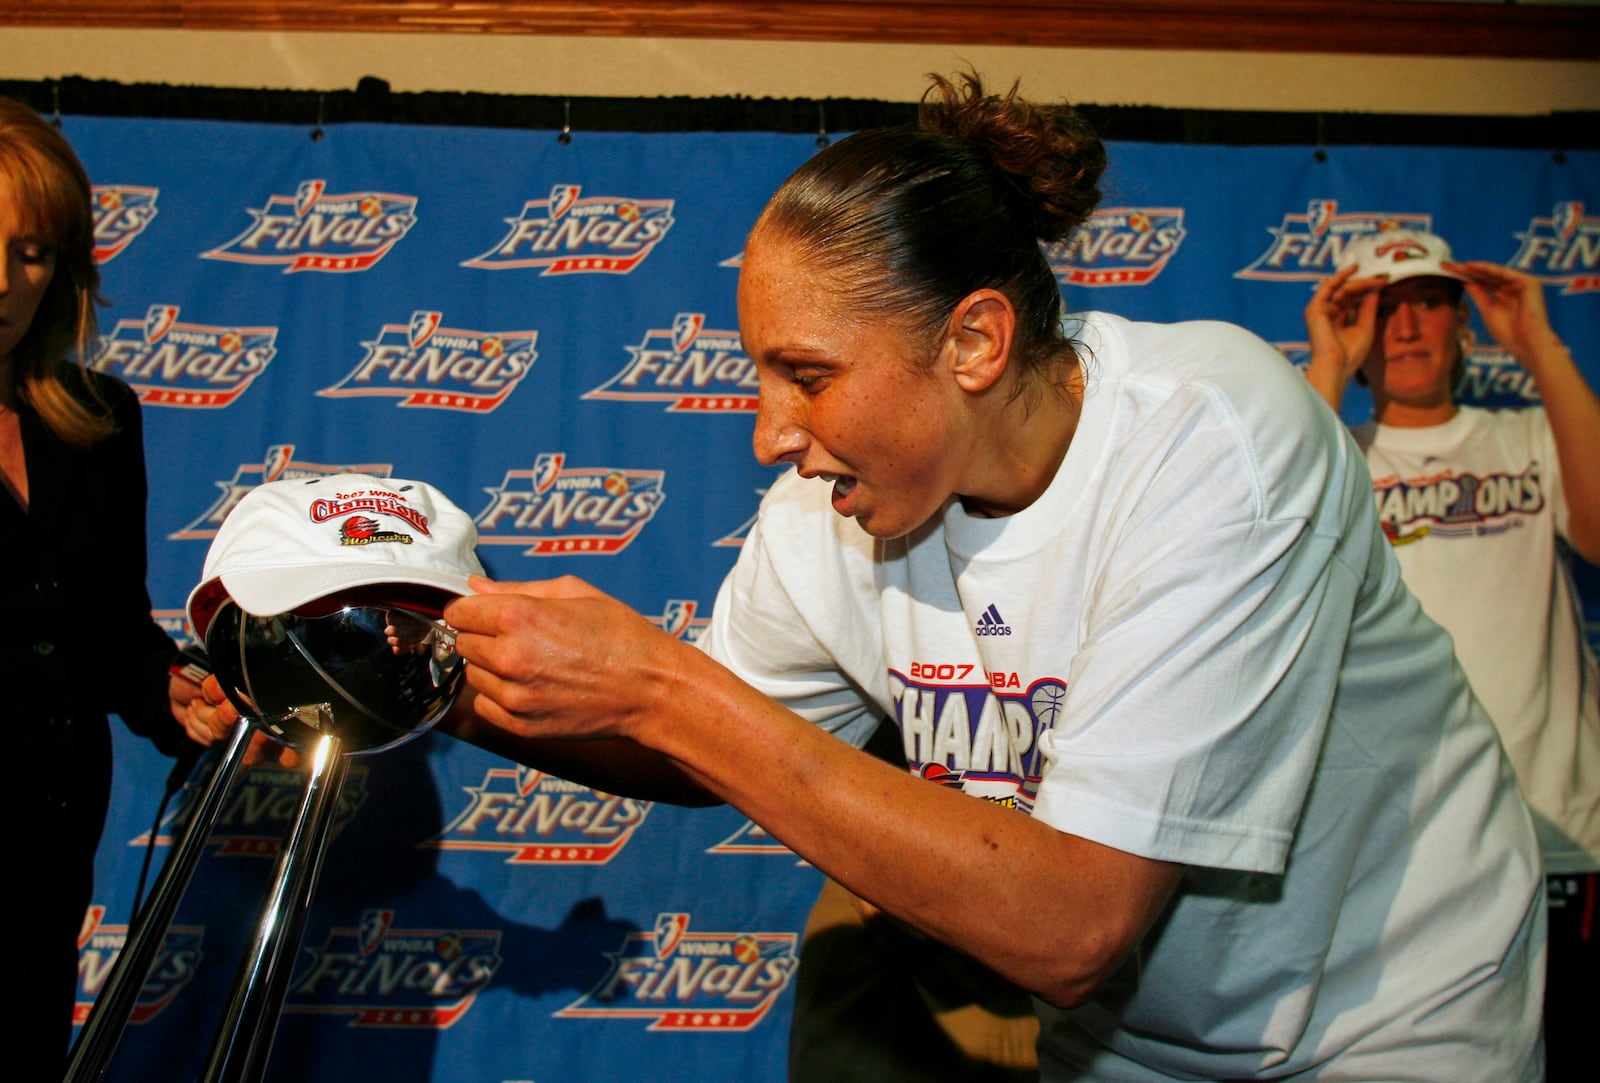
<point>287,543</point>
<point>1399,254</point>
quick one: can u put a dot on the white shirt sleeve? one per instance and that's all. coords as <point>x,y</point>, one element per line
<point>768,608</point>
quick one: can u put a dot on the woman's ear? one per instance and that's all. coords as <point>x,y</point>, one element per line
<point>980,334</point>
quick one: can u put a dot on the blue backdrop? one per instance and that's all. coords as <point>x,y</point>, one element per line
<point>548,333</point>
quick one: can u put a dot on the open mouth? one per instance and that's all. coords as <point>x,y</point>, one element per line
<point>842,483</point>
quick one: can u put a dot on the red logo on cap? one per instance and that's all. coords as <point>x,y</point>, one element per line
<point>1403,250</point>
<point>359,526</point>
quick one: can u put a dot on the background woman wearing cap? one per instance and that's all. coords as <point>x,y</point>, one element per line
<point>77,642</point>
<point>1236,815</point>
<point>1395,316</point>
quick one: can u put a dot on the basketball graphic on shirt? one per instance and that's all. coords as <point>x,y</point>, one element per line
<point>1046,701</point>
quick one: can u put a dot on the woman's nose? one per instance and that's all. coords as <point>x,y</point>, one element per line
<point>779,436</point>
<point>1403,322</point>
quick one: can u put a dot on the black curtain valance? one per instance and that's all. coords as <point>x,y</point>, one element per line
<point>372,101</point>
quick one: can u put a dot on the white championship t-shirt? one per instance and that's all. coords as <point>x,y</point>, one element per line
<point>1195,646</point>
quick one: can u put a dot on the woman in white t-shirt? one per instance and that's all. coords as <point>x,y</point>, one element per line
<point>1486,511</point>
<point>1187,761</point>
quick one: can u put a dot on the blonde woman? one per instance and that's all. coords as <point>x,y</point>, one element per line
<point>77,642</point>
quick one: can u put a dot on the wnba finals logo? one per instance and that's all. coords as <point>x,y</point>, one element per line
<point>555,509</point>
<point>1118,246</point>
<point>314,231</point>
<point>1562,249</point>
<point>687,366</point>
<point>568,234</point>
<point>677,979</point>
<point>426,365</point>
<point>172,362</point>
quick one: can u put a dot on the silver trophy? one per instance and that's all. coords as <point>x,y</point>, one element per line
<point>372,673</point>
<point>358,661</point>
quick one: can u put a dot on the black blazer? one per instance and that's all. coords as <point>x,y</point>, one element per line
<point>77,641</point>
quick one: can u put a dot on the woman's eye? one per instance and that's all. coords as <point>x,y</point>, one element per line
<point>807,379</point>
<point>1387,308</point>
<point>35,253</point>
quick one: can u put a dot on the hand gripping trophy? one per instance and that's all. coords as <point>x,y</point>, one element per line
<point>320,610</point>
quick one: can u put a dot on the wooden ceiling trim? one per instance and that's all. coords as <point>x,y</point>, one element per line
<point>1377,27</point>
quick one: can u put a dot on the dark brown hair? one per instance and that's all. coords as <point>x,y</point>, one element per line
<point>910,220</point>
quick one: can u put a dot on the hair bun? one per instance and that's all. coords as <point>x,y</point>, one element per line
<point>1050,153</point>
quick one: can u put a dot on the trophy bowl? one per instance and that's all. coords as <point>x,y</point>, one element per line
<point>372,673</point>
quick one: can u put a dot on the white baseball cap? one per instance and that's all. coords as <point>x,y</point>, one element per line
<point>1398,254</point>
<point>287,543</point>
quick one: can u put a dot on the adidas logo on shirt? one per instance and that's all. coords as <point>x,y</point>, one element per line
<point>992,623</point>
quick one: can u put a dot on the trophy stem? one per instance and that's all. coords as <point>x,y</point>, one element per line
<point>147,933</point>
<point>244,1041</point>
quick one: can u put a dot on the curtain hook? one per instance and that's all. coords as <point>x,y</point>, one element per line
<point>566,123</point>
<point>317,133</point>
<point>822,127</point>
